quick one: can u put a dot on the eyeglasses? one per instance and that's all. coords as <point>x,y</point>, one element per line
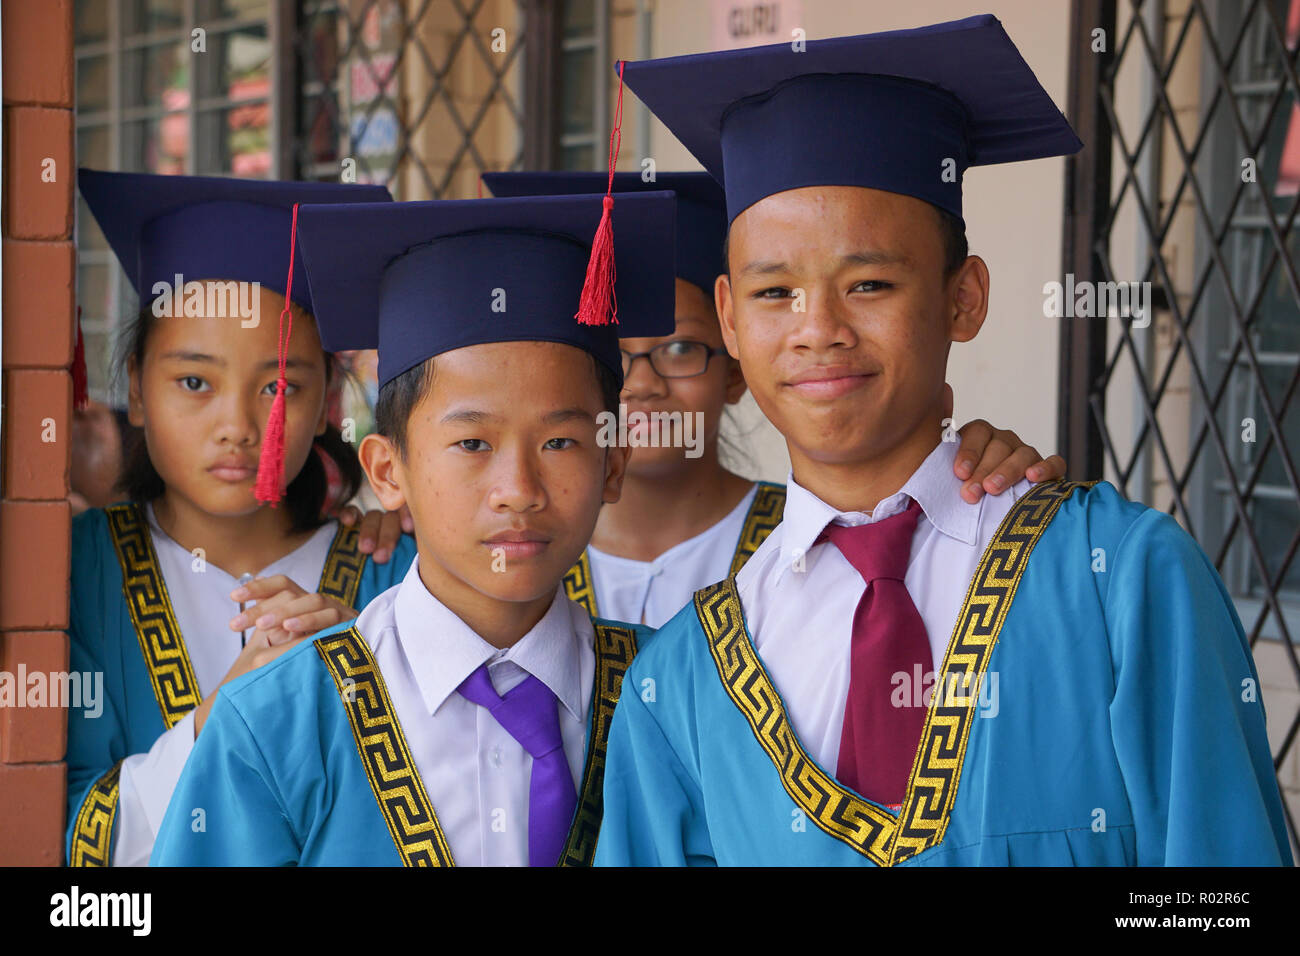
<point>678,359</point>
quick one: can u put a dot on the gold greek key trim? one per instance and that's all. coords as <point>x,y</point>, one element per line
<point>381,745</point>
<point>147,602</point>
<point>166,658</point>
<point>92,837</point>
<point>341,576</point>
<point>615,648</point>
<point>936,770</point>
<point>580,586</point>
<point>764,514</point>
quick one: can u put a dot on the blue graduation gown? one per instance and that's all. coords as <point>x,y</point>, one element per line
<point>279,775</point>
<point>146,695</point>
<point>1124,726</point>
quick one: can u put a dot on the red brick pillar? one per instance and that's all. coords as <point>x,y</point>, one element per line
<point>39,185</point>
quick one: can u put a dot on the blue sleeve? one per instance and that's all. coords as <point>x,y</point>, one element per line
<point>226,809</point>
<point>96,740</point>
<point>653,809</point>
<point>1186,719</point>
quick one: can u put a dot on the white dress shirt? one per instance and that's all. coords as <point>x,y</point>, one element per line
<point>202,605</point>
<point>801,621</point>
<point>651,592</point>
<point>475,773</point>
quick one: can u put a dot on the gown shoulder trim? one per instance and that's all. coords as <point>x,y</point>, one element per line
<point>341,576</point>
<point>381,745</point>
<point>764,514</point>
<point>579,585</point>
<point>615,648</point>
<point>166,657</point>
<point>92,837</point>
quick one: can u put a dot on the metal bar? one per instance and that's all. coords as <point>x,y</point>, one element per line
<point>285,93</point>
<point>1087,200</point>
<point>541,125</point>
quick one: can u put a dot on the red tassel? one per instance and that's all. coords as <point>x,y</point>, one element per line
<point>269,488</point>
<point>270,467</point>
<point>80,380</point>
<point>598,304</point>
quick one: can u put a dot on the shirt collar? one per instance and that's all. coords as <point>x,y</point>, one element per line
<point>933,485</point>
<point>443,650</point>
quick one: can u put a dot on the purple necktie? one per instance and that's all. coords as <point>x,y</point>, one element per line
<point>528,712</point>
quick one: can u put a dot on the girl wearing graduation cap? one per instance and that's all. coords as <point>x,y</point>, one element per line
<point>684,520</point>
<point>232,410</point>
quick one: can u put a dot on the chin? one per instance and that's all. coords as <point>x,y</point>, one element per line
<point>229,502</point>
<point>520,586</point>
<point>656,462</point>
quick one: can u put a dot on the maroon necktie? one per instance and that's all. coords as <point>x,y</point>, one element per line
<point>878,743</point>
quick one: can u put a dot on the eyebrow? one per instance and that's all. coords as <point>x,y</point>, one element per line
<point>563,415</point>
<point>865,257</point>
<point>183,356</point>
<point>471,416</point>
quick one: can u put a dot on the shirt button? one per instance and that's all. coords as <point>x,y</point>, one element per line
<point>496,756</point>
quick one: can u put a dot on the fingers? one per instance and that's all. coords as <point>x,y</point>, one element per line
<point>1047,470</point>
<point>348,515</point>
<point>368,531</point>
<point>259,589</point>
<point>251,614</point>
<point>390,532</point>
<point>408,523</point>
<point>975,437</point>
<point>991,473</point>
<point>306,623</point>
<point>1011,469</point>
<point>300,616</point>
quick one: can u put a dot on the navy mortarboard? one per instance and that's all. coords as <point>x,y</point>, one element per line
<point>701,210</point>
<point>207,227</point>
<point>905,111</point>
<point>417,279</point>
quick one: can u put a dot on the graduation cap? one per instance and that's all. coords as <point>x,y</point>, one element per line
<point>701,210</point>
<point>207,227</point>
<point>906,111</point>
<point>416,279</point>
<point>211,227</point>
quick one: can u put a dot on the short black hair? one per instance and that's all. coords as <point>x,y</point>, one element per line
<point>398,398</point>
<point>955,246</point>
<point>305,496</point>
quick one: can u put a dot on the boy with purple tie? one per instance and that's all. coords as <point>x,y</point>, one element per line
<point>462,717</point>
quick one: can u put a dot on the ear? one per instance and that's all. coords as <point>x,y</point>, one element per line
<point>970,299</point>
<point>383,468</point>
<point>726,318</point>
<point>134,401</point>
<point>616,459</point>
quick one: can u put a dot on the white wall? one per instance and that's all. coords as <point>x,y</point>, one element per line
<point>1013,214</point>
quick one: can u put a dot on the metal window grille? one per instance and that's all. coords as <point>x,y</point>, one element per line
<point>422,95</point>
<point>1196,191</point>
<point>146,102</point>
